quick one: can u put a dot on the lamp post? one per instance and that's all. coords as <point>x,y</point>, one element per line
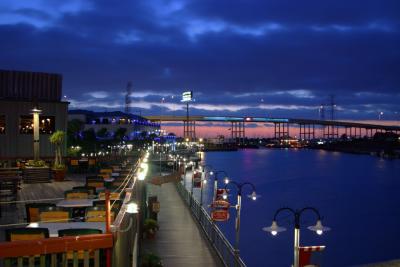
<point>36,138</point>
<point>184,177</point>
<point>274,229</point>
<point>226,180</point>
<point>203,181</point>
<point>253,196</point>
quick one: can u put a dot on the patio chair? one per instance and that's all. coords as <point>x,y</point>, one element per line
<point>55,215</point>
<point>74,165</point>
<point>33,210</point>
<point>18,234</point>
<point>116,204</point>
<point>98,214</point>
<point>77,194</point>
<point>90,189</point>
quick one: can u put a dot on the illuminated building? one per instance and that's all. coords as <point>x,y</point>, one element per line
<point>112,121</point>
<point>20,92</point>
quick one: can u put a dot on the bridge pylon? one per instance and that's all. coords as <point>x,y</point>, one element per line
<point>189,130</point>
<point>238,131</point>
<point>307,131</point>
<point>331,132</point>
<point>281,130</point>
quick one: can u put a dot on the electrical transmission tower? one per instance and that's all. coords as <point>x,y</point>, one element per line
<point>128,99</point>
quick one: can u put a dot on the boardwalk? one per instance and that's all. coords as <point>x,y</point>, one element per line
<point>179,242</point>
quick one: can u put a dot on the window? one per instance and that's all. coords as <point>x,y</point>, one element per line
<point>46,124</point>
<point>2,124</point>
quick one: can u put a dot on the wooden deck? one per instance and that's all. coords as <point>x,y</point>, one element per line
<point>180,241</point>
<point>15,213</point>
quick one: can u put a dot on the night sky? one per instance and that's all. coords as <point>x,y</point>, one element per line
<point>266,58</point>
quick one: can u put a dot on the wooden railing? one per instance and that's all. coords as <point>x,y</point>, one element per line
<point>56,251</point>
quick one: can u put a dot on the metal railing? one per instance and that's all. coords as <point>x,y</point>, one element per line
<point>221,245</point>
<point>125,228</point>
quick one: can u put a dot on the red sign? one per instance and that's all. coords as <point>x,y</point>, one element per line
<point>196,179</point>
<point>310,256</point>
<point>197,183</point>
<point>197,175</point>
<point>220,192</point>
<point>220,215</point>
<point>220,204</point>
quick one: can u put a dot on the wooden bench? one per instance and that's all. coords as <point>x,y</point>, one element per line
<point>10,179</point>
<point>36,175</point>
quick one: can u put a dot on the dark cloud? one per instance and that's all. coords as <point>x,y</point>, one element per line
<point>273,50</point>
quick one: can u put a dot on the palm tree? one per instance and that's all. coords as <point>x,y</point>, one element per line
<point>57,139</point>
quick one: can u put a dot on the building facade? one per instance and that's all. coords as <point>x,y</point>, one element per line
<point>20,92</point>
<point>112,121</point>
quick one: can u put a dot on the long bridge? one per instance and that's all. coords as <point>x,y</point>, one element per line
<point>307,127</point>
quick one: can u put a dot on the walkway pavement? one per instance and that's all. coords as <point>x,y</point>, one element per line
<point>179,242</point>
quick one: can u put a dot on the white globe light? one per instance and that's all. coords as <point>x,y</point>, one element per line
<point>274,229</point>
<point>132,208</point>
<point>319,228</point>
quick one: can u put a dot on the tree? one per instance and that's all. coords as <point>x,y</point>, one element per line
<point>57,139</point>
<point>89,140</point>
<point>102,133</point>
<point>120,134</point>
<point>143,134</point>
<point>75,126</point>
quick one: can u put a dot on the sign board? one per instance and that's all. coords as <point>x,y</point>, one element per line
<point>197,174</point>
<point>220,204</point>
<point>220,215</point>
<point>187,96</point>
<point>219,194</point>
<point>197,182</point>
<point>310,256</point>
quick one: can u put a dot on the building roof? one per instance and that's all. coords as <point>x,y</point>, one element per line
<point>30,86</point>
<point>93,114</point>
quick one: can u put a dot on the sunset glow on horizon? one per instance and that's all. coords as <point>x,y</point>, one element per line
<point>258,130</point>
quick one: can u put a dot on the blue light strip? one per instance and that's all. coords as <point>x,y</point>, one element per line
<point>251,119</point>
<point>223,119</point>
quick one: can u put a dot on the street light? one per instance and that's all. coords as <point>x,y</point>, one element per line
<point>380,115</point>
<point>253,196</point>
<point>274,229</point>
<point>226,180</point>
<point>204,181</point>
<point>36,139</point>
<point>132,207</point>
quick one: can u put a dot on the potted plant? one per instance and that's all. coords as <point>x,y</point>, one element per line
<point>36,164</point>
<point>150,227</point>
<point>59,170</point>
<point>151,260</point>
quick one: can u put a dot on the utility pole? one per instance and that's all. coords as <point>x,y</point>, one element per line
<point>128,99</point>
